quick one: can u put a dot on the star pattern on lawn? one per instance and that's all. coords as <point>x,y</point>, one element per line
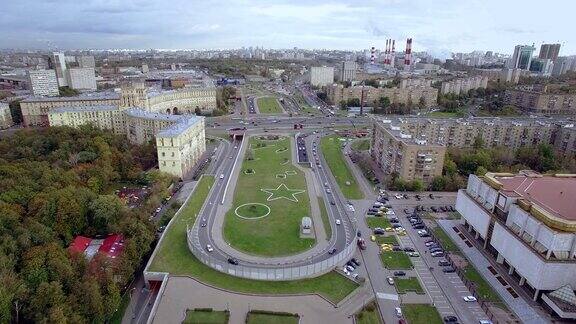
<point>283,192</point>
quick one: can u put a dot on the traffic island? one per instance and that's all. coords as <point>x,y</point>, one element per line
<point>206,316</point>
<point>332,151</point>
<point>396,260</point>
<point>259,317</point>
<point>404,285</point>
<point>282,189</point>
<point>421,314</point>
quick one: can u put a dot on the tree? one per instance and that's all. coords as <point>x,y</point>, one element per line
<point>480,171</point>
<point>105,211</point>
<point>478,142</point>
<point>16,111</point>
<point>384,103</point>
<point>68,92</point>
<point>421,103</point>
<point>353,102</point>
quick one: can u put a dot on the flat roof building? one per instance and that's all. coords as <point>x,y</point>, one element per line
<point>321,76</point>
<point>5,116</point>
<point>527,222</point>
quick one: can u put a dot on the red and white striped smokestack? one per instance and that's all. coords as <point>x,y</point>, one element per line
<point>386,52</point>
<point>408,53</point>
<point>372,54</point>
<point>392,53</point>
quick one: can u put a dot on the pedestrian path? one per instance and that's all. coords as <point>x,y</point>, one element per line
<point>519,306</point>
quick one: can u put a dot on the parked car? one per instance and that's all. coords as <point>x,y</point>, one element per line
<point>450,319</point>
<point>431,243</point>
<point>350,268</point>
<point>408,249</point>
<point>435,249</point>
<point>434,209</point>
<point>379,231</point>
<point>356,262</point>
<point>469,299</point>
<point>419,226</point>
<point>390,280</point>
<point>413,254</point>
<point>437,254</point>
<point>394,221</point>
<point>443,262</point>
<point>332,251</point>
<point>399,273</point>
<point>448,270</point>
<point>398,311</point>
<point>233,261</point>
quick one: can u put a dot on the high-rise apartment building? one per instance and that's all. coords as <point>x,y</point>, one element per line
<point>522,57</point>
<point>57,62</point>
<point>81,78</point>
<point>348,71</point>
<point>321,76</point>
<point>5,116</point>
<point>86,61</point>
<point>549,51</point>
<point>43,82</point>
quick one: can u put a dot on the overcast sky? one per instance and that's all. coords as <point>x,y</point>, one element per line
<point>438,26</point>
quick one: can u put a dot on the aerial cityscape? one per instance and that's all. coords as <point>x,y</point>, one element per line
<point>405,162</point>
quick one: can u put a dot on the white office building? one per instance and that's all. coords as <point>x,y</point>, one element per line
<point>82,78</point>
<point>527,222</point>
<point>58,62</point>
<point>43,82</point>
<point>321,76</point>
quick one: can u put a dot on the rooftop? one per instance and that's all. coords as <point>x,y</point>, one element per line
<point>84,108</point>
<point>110,95</point>
<point>182,125</point>
<point>554,194</point>
<point>141,113</point>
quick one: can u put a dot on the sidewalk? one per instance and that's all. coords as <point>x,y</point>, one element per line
<point>518,305</point>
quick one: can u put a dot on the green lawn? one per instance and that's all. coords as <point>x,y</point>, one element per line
<point>404,285</point>
<point>380,239</point>
<point>446,241</point>
<point>361,145</point>
<point>175,258</point>
<point>421,314</point>
<point>373,222</point>
<point>333,155</point>
<point>278,233</point>
<point>269,105</point>
<point>258,318</point>
<point>368,315</point>
<point>325,219</point>
<point>200,316</point>
<point>442,114</point>
<point>396,260</point>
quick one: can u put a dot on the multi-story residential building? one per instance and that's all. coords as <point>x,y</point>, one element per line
<point>57,62</point>
<point>186,100</point>
<point>81,78</point>
<point>179,138</point>
<point>321,76</point>
<point>391,137</point>
<point>43,82</point>
<point>564,64</point>
<point>35,109</point>
<point>538,99</point>
<point>462,86</point>
<point>181,145</point>
<point>337,93</point>
<point>348,71</point>
<point>411,158</point>
<point>101,116</point>
<point>5,116</point>
<point>549,51</point>
<point>526,221</point>
<point>86,61</point>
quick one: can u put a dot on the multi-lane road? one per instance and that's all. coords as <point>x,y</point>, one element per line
<point>209,221</point>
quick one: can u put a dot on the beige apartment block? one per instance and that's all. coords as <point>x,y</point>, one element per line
<point>5,116</point>
<point>337,93</point>
<point>540,100</point>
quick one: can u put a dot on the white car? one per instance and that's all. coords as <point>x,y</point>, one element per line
<point>355,276</point>
<point>209,248</point>
<point>235,147</point>
<point>346,272</point>
<point>338,222</point>
<point>390,281</point>
<point>222,176</point>
<point>398,311</point>
<point>469,298</point>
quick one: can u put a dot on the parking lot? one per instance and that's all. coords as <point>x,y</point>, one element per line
<point>446,290</point>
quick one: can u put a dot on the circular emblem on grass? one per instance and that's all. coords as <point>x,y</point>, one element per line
<point>252,211</point>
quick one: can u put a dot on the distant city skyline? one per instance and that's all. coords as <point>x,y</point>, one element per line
<point>438,27</point>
